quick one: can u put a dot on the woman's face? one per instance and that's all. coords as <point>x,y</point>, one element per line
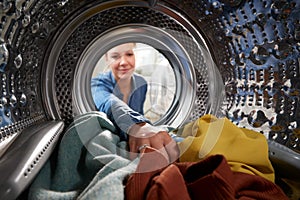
<point>121,60</point>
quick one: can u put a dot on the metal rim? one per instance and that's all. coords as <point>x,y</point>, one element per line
<point>160,40</point>
<point>186,67</point>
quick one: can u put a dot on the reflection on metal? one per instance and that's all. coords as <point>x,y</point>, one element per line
<point>162,41</point>
<point>262,59</point>
<point>26,156</point>
<point>20,103</point>
<point>255,46</point>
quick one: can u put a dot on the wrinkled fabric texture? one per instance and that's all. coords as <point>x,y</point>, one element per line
<point>108,99</point>
<point>245,150</point>
<point>140,184</point>
<point>210,178</point>
<point>91,163</point>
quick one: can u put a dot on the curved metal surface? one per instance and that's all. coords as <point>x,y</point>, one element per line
<point>160,40</point>
<point>253,47</point>
<point>26,156</point>
<point>99,28</point>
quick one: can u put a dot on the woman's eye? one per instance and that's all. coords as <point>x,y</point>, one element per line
<point>115,57</point>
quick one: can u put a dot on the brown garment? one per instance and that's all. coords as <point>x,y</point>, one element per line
<point>210,178</point>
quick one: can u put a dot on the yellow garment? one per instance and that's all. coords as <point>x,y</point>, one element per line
<point>245,150</point>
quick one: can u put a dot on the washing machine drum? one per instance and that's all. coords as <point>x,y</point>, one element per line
<point>234,59</point>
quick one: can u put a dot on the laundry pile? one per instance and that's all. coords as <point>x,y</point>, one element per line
<point>217,160</point>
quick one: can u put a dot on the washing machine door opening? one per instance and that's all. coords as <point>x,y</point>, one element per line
<point>238,59</point>
<point>148,62</point>
<point>183,85</point>
<point>160,59</point>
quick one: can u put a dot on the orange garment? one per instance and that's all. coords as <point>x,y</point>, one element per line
<point>245,150</point>
<point>210,178</point>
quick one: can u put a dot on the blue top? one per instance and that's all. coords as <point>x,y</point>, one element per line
<point>108,99</point>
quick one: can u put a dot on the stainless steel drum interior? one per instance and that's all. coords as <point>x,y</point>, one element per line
<point>235,59</point>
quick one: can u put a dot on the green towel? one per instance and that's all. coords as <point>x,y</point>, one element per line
<point>91,163</point>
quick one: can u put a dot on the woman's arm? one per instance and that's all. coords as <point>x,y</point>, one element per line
<point>138,129</point>
<point>117,111</point>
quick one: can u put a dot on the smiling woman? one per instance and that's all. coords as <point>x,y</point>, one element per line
<point>120,92</point>
<point>139,69</point>
<point>238,59</point>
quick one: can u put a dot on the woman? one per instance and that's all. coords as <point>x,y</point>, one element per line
<point>121,93</point>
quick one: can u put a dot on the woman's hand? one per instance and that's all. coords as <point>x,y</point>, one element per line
<point>144,134</point>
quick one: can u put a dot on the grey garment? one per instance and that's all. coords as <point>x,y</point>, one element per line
<point>91,160</point>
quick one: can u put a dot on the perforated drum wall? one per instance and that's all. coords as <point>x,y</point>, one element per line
<point>255,46</point>
<point>238,59</point>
